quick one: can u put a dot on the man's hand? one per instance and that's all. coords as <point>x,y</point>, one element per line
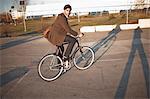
<point>80,35</point>
<point>45,33</point>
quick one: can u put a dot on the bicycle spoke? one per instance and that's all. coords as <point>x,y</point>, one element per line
<point>50,67</point>
<point>84,58</point>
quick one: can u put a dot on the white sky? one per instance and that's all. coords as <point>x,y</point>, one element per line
<point>83,2</point>
<point>5,5</point>
<point>56,6</point>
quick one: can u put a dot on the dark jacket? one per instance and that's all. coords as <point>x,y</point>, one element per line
<point>59,30</point>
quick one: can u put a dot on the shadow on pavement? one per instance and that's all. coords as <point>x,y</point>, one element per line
<point>136,46</point>
<point>104,44</point>
<point>12,75</point>
<point>18,42</point>
<point>33,33</point>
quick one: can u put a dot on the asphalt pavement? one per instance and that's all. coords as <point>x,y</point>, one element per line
<point>121,69</point>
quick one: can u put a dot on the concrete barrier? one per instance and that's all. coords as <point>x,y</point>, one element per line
<point>144,23</point>
<point>88,29</point>
<point>105,27</point>
<point>128,26</point>
<point>97,28</point>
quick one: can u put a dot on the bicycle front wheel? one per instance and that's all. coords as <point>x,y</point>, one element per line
<point>50,67</point>
<point>84,58</point>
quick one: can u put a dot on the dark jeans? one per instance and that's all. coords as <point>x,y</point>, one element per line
<point>71,42</point>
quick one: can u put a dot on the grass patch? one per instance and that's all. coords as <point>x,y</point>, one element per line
<point>38,25</point>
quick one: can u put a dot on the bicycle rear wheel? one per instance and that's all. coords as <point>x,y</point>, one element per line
<point>50,67</point>
<point>84,58</point>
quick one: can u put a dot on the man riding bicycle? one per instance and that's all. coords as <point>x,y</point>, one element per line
<point>59,31</point>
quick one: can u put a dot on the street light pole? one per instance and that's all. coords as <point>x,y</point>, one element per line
<point>127,17</point>
<point>22,3</point>
<point>24,21</point>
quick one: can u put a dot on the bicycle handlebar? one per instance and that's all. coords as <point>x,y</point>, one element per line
<point>79,36</point>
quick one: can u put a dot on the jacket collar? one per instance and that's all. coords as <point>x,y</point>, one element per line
<point>62,14</point>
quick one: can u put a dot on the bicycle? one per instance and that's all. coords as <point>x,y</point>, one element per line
<point>51,66</point>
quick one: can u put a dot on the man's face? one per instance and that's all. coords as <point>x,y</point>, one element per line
<point>67,12</point>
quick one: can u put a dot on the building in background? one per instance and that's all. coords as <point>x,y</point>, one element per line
<point>48,8</point>
<point>81,7</point>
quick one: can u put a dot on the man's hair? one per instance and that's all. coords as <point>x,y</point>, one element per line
<point>67,6</point>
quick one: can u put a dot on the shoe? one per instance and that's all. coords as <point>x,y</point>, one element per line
<point>67,65</point>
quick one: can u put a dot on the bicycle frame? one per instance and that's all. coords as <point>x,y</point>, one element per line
<point>72,53</point>
<point>59,66</point>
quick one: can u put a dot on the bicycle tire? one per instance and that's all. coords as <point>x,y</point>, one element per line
<point>83,58</point>
<point>50,67</point>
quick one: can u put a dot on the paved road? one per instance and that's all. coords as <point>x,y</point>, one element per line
<point>122,72</point>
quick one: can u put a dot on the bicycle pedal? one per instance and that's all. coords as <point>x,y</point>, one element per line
<point>67,66</point>
<point>64,70</point>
